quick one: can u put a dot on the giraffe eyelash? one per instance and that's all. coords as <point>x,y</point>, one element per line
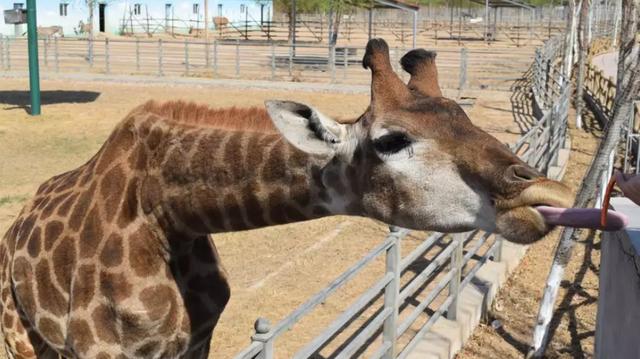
<point>392,143</point>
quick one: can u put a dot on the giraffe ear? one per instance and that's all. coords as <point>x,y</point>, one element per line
<point>306,128</point>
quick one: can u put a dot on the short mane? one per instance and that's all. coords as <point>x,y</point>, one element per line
<point>231,118</point>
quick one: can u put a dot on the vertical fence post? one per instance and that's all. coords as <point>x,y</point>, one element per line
<point>56,54</point>
<point>186,57</point>
<point>290,60</point>
<point>532,148</point>
<point>456,270</point>
<point>207,58</point>
<point>237,58</point>
<point>160,71</point>
<point>137,54</point>
<point>215,58</point>
<point>1,51</point>
<point>90,52</point>
<point>497,255</point>
<point>345,63</point>
<point>262,326</point>
<point>398,56</point>
<point>463,71</point>
<point>273,61</point>
<point>8,54</point>
<point>332,62</point>
<point>46,51</point>
<point>107,63</point>
<point>392,293</point>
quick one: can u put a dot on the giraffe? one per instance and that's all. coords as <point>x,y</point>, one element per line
<point>114,259</point>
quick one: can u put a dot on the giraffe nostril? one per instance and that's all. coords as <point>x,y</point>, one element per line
<point>521,173</point>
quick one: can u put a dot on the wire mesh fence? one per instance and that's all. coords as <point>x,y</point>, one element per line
<point>459,68</point>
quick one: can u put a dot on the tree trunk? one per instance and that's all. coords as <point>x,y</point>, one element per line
<point>570,45</point>
<point>336,25</point>
<point>627,87</point>
<point>583,45</point>
<point>91,5</point>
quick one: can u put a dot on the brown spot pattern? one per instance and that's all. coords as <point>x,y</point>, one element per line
<point>84,286</point>
<point>64,259</point>
<point>35,243</point>
<point>51,331</point>
<point>51,233</point>
<point>111,189</point>
<point>64,208</point>
<point>91,234</point>
<point>81,208</point>
<point>25,230</point>
<point>144,252</point>
<point>105,324</point>
<point>49,297</point>
<point>80,335</point>
<point>129,205</point>
<point>115,286</point>
<point>112,251</point>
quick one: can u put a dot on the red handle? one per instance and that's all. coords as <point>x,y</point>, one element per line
<point>605,202</point>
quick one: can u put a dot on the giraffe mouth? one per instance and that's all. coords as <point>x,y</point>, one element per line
<point>540,207</point>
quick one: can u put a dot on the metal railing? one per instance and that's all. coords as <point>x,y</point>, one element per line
<point>459,68</point>
<point>401,301</point>
<point>599,95</point>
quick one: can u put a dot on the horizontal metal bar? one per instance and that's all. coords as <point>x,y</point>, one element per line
<point>443,307</point>
<point>251,351</point>
<point>384,348</point>
<point>319,297</point>
<point>421,333</point>
<point>346,315</point>
<point>419,309</point>
<point>474,270</point>
<point>475,248</point>
<point>364,335</point>
<point>421,278</point>
<point>426,244</point>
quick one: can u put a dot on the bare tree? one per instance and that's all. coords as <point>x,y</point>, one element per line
<point>583,45</point>
<point>570,40</point>
<point>91,5</point>
<point>627,87</point>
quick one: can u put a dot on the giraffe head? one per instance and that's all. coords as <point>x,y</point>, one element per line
<point>414,159</point>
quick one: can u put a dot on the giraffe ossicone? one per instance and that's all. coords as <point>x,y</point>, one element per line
<point>114,258</point>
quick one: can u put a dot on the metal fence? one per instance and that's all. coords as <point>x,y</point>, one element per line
<point>459,68</point>
<point>600,94</point>
<point>416,289</point>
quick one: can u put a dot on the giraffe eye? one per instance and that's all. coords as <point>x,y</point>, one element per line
<point>391,143</point>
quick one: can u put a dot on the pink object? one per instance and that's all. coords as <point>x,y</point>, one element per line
<point>583,218</point>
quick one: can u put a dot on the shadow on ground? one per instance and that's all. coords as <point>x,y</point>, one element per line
<point>21,99</point>
<point>522,102</point>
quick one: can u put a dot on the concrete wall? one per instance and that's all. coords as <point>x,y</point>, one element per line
<point>618,319</point>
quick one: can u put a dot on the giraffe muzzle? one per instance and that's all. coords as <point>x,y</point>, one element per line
<point>543,205</point>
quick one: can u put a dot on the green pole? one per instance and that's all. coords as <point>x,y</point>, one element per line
<point>34,67</point>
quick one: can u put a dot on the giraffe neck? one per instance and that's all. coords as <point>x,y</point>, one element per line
<point>210,180</point>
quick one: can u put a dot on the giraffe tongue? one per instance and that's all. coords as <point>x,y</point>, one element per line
<point>582,218</point>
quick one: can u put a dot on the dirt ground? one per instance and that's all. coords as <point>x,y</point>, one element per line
<point>515,309</point>
<point>272,270</point>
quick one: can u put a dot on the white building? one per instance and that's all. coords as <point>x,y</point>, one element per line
<point>113,16</point>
